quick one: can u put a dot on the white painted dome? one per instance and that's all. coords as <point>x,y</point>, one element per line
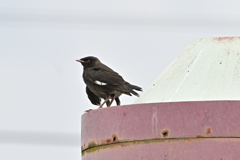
<point>208,69</point>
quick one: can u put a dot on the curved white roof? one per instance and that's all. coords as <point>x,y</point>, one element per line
<point>208,69</point>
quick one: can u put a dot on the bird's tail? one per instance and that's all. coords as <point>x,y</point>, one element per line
<point>131,88</point>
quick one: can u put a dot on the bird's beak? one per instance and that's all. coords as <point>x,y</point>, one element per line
<point>79,60</point>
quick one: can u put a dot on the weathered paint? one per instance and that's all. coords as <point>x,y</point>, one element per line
<point>208,69</point>
<point>160,120</point>
<point>186,149</point>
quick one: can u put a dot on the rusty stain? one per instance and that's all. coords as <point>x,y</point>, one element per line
<point>165,132</point>
<point>115,138</point>
<point>199,136</point>
<point>108,140</point>
<point>103,141</point>
<point>220,62</point>
<point>125,113</point>
<point>91,144</point>
<point>190,141</point>
<point>208,132</point>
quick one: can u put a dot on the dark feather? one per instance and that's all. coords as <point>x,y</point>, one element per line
<point>92,97</point>
<point>101,74</point>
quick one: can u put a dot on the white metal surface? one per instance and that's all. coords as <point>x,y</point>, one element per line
<point>208,69</point>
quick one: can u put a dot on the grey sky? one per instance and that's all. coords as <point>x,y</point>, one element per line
<point>41,87</point>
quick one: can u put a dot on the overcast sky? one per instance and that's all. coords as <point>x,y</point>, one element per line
<point>41,87</point>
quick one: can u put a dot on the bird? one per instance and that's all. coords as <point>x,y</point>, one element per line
<point>103,82</point>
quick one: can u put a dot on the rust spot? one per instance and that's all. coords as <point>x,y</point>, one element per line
<point>190,141</point>
<point>91,144</point>
<point>115,138</point>
<point>199,136</point>
<point>103,142</point>
<point>220,63</point>
<point>165,132</point>
<point>125,113</point>
<point>208,132</point>
<point>108,140</point>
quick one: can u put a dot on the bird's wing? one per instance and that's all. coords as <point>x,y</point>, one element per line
<point>105,77</point>
<point>92,97</point>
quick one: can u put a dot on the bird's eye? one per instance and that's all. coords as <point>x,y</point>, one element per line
<point>88,60</point>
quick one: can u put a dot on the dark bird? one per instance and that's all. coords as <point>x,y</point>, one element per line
<point>103,82</point>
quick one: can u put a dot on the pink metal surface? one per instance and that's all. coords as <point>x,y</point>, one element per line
<point>192,149</point>
<point>160,120</point>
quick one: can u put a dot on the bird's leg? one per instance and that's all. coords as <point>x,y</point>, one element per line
<point>113,97</point>
<point>117,101</point>
<point>108,102</point>
<point>104,101</point>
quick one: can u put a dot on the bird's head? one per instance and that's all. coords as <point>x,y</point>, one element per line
<point>88,61</point>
